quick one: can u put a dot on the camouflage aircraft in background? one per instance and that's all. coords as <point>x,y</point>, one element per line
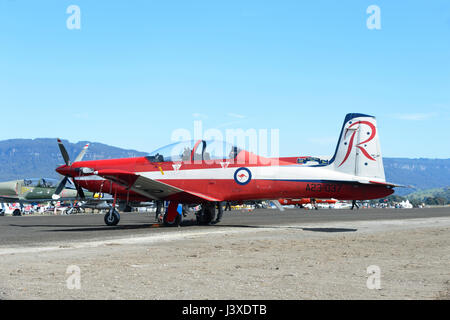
<point>42,190</point>
<point>36,191</point>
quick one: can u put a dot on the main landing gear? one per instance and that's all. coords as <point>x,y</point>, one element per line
<point>204,216</point>
<point>208,212</point>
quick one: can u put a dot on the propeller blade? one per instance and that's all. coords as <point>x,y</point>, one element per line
<point>64,153</point>
<point>61,185</point>
<point>82,153</point>
<point>80,191</point>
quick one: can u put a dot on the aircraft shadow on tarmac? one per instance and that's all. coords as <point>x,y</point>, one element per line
<point>329,229</point>
<point>72,228</point>
<point>92,228</point>
<point>188,223</point>
<point>294,228</point>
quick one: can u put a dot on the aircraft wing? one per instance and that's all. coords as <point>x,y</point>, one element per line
<point>152,189</point>
<point>9,199</point>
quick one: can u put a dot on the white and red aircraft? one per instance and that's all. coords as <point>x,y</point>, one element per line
<point>200,172</point>
<point>304,201</point>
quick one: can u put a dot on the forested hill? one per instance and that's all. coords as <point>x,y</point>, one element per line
<point>421,173</point>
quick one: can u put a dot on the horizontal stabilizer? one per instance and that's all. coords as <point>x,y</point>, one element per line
<point>391,184</point>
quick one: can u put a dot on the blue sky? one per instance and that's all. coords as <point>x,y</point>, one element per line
<point>138,70</point>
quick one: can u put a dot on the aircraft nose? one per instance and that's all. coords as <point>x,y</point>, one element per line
<point>63,170</point>
<point>8,188</point>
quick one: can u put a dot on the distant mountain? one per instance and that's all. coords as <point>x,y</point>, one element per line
<point>420,173</point>
<point>26,158</point>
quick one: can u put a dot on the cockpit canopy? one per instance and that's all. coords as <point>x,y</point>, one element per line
<point>44,183</point>
<point>194,150</point>
<point>41,183</point>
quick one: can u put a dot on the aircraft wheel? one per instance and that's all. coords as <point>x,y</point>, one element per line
<point>176,223</point>
<point>17,212</point>
<point>112,218</point>
<point>206,215</point>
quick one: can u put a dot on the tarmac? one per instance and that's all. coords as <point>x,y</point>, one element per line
<point>33,230</point>
<point>261,254</point>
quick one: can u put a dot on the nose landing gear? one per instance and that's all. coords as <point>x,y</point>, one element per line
<point>112,217</point>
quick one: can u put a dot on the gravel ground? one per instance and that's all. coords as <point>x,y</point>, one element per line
<point>308,261</point>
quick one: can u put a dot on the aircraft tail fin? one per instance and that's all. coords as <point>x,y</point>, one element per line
<point>358,151</point>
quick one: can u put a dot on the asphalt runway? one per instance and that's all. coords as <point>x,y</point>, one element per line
<point>37,230</point>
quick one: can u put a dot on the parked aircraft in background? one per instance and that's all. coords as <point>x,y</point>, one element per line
<point>35,191</point>
<point>304,201</point>
<point>208,173</point>
<point>342,205</point>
